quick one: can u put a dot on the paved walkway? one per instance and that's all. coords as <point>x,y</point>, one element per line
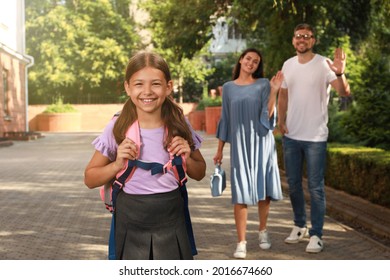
<point>48,213</point>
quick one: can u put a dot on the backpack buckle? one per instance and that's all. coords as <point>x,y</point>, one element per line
<point>118,184</point>
<point>183,181</point>
<point>167,167</point>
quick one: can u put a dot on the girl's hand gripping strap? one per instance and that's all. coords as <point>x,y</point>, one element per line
<point>125,174</point>
<point>133,134</point>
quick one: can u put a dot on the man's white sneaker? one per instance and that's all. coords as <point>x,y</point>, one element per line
<point>240,252</point>
<point>264,240</point>
<point>296,235</point>
<point>315,245</point>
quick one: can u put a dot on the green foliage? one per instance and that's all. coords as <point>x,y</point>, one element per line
<point>336,124</point>
<point>365,172</point>
<point>375,51</point>
<point>355,65</point>
<point>60,107</point>
<point>183,27</point>
<point>80,47</point>
<point>223,70</point>
<point>269,25</point>
<point>192,90</point>
<point>209,102</point>
<point>366,153</point>
<point>190,76</point>
<point>181,31</point>
<point>369,119</point>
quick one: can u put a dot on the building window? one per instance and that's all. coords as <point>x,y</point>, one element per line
<point>5,93</point>
<point>234,31</point>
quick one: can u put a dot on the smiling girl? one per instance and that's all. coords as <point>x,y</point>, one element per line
<point>149,219</point>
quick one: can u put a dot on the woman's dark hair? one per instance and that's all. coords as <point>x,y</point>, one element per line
<point>259,73</point>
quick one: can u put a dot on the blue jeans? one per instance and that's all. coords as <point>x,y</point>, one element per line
<point>295,152</point>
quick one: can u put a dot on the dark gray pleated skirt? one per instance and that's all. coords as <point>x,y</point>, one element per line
<point>151,227</point>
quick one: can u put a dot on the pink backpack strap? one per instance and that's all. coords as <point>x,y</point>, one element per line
<point>132,133</point>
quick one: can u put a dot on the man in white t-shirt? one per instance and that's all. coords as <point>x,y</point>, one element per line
<point>303,117</point>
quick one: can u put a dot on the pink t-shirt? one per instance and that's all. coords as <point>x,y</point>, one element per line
<point>152,149</point>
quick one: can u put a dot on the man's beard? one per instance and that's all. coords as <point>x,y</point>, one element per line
<point>304,51</point>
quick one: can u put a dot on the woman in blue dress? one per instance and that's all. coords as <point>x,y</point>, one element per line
<point>247,122</point>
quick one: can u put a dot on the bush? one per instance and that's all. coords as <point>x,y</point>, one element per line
<point>209,102</point>
<point>368,121</point>
<point>337,129</point>
<point>365,172</point>
<point>60,107</point>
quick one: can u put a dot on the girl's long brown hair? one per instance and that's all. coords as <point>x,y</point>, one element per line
<point>171,113</point>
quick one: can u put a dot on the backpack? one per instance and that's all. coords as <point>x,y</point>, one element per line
<point>110,191</point>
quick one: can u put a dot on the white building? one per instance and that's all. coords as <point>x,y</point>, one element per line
<point>227,38</point>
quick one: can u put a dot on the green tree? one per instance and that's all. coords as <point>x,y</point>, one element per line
<point>269,24</point>
<point>184,27</point>
<point>223,71</point>
<point>369,119</point>
<point>181,31</point>
<point>80,48</point>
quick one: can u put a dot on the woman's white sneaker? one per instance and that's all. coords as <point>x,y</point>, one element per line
<point>315,245</point>
<point>240,252</point>
<point>296,235</point>
<point>264,240</point>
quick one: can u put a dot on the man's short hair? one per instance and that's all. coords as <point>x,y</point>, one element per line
<point>304,26</point>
